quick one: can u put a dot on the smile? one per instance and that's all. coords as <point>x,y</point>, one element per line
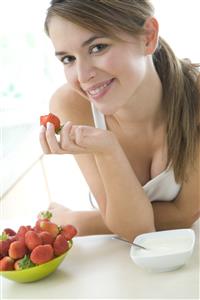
<point>101,90</point>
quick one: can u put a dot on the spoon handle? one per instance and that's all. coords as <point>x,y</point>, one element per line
<point>134,244</point>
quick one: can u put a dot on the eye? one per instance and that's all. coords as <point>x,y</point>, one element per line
<point>98,48</point>
<point>67,59</point>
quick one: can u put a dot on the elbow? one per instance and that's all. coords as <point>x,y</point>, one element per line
<point>190,220</point>
<point>129,231</point>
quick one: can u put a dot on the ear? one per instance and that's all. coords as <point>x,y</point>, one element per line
<point>151,27</point>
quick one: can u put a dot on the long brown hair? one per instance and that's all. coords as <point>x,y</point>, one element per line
<point>181,97</point>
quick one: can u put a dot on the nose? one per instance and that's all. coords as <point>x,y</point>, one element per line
<point>85,71</point>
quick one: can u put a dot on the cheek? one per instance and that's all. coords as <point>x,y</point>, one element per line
<point>139,67</point>
<point>113,64</point>
<point>71,78</point>
<point>124,67</point>
<point>135,70</point>
<point>69,75</point>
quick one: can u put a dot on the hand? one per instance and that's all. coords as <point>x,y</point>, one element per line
<point>76,139</point>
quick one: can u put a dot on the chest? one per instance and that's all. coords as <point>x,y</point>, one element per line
<point>146,151</point>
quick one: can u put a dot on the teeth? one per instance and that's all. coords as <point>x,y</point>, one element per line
<point>96,91</point>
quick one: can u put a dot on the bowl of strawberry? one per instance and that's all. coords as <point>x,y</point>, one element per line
<point>32,253</point>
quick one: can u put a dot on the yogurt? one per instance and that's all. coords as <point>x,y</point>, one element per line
<point>160,246</point>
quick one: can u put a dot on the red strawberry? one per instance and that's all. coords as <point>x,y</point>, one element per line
<point>43,216</point>
<point>9,231</point>
<point>50,227</point>
<point>52,119</point>
<point>42,254</point>
<point>32,239</point>
<point>12,238</point>
<point>46,237</point>
<point>20,236</point>
<point>23,263</point>
<point>6,264</point>
<point>60,245</point>
<point>5,242</point>
<point>17,250</point>
<point>68,231</point>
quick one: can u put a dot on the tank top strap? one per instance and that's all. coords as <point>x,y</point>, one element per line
<point>99,119</point>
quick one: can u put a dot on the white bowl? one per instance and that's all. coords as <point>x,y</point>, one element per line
<point>167,250</point>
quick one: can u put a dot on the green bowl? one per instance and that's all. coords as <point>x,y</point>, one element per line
<point>37,272</point>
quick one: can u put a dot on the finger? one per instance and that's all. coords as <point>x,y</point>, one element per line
<point>43,141</point>
<point>65,136</point>
<point>79,135</point>
<point>84,135</point>
<point>68,143</point>
<point>51,139</point>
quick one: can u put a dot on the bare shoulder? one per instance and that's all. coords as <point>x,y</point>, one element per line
<point>70,106</point>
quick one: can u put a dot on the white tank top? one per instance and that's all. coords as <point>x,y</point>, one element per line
<point>163,187</point>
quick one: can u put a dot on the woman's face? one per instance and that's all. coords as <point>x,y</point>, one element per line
<point>106,71</point>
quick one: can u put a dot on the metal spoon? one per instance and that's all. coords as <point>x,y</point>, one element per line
<point>134,244</point>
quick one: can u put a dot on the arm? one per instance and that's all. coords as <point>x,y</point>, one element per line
<point>86,222</point>
<point>89,223</point>
<point>185,209</point>
<point>180,213</point>
<point>128,211</point>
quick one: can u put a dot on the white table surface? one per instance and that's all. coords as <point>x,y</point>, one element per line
<point>100,267</point>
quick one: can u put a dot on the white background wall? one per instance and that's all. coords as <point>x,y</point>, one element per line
<point>179,25</point>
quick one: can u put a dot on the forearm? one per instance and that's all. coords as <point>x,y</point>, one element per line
<point>128,211</point>
<point>88,222</point>
<point>167,216</point>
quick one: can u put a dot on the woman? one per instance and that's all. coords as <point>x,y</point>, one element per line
<point>130,111</point>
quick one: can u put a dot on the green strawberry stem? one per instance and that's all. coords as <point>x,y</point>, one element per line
<point>59,129</point>
<point>59,228</point>
<point>4,236</point>
<point>45,215</point>
<point>70,243</point>
<point>26,263</point>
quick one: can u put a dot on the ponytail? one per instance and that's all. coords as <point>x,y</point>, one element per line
<point>181,101</point>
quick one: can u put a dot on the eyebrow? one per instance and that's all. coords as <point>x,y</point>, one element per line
<point>87,42</point>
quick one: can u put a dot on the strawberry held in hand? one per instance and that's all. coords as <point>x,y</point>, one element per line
<point>51,118</point>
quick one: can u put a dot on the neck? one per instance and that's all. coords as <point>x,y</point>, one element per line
<point>145,107</point>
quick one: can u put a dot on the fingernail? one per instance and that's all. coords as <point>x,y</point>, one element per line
<point>42,128</point>
<point>49,125</point>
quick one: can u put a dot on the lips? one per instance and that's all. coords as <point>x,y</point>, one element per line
<point>99,89</point>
